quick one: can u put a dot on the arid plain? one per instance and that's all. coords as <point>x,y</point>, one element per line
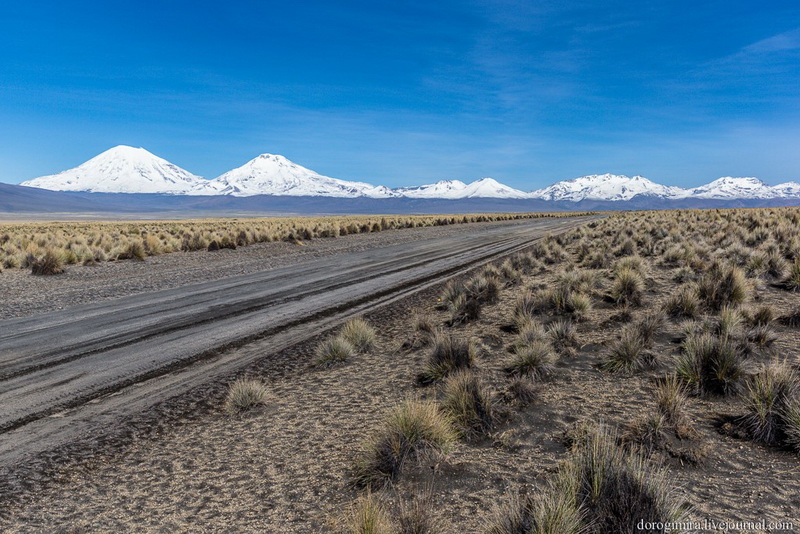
<point>634,366</point>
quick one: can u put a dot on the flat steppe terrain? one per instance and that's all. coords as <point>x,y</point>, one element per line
<point>288,465</point>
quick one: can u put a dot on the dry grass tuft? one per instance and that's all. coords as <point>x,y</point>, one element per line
<point>535,360</point>
<point>50,263</point>
<point>359,334</point>
<point>768,395</point>
<point>414,430</point>
<point>722,286</point>
<point>710,365</point>
<point>469,403</point>
<point>245,394</point>
<point>417,515</point>
<point>627,287</point>
<point>671,400</point>
<point>368,515</point>
<point>334,350</point>
<point>448,353</point>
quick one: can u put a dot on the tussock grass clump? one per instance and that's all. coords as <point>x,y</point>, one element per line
<point>522,389</point>
<point>562,334</point>
<point>649,325</point>
<point>648,432</point>
<point>451,292</point>
<point>245,394</point>
<point>710,365</point>
<point>761,335</point>
<point>791,424</point>
<point>529,331</point>
<point>627,355</point>
<point>448,353</point>
<point>50,263</point>
<point>763,316</point>
<point>728,321</point>
<point>534,360</point>
<point>414,430</point>
<point>600,489</point>
<point>368,515</point>
<point>422,331</point>
<point>416,516</point>
<point>792,280</point>
<point>722,286</point>
<point>618,489</point>
<point>671,400</point>
<point>359,334</point>
<point>627,287</point>
<point>334,350</point>
<point>684,303</point>
<point>469,403</point>
<point>768,395</point>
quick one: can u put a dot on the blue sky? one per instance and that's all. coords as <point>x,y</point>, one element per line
<point>408,92</point>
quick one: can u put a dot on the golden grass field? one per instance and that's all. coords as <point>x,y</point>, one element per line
<point>24,244</point>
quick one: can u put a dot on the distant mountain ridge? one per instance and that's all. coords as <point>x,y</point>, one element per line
<point>125,169</point>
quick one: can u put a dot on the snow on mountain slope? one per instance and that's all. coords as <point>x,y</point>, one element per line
<point>455,189</point>
<point>490,188</point>
<point>125,169</point>
<point>605,187</point>
<point>442,189</point>
<point>730,188</point>
<point>271,174</point>
<point>787,190</point>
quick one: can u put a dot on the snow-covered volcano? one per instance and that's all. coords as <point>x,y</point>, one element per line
<point>455,189</point>
<point>611,187</point>
<point>271,174</point>
<point>125,169</point>
<point>730,188</point>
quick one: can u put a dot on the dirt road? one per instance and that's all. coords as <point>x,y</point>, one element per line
<point>72,373</point>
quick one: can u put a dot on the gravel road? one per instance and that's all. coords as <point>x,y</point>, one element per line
<point>66,373</point>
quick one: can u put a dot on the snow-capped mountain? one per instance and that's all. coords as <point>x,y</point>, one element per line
<point>125,169</point>
<point>729,188</point>
<point>455,189</point>
<point>609,187</point>
<point>442,189</point>
<point>271,174</point>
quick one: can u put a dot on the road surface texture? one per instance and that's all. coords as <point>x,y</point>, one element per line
<point>73,373</point>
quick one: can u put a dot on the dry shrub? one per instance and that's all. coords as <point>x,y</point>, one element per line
<point>49,264</point>
<point>245,394</point>
<point>414,430</point>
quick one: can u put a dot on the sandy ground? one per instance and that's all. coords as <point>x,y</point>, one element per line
<point>286,467</point>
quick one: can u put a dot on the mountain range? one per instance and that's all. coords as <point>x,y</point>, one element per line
<point>125,169</point>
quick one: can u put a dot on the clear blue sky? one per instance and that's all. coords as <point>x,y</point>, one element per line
<point>408,92</point>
